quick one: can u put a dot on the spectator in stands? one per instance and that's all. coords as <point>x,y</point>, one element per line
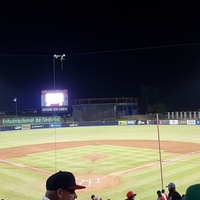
<point>130,195</point>
<point>173,194</point>
<point>192,192</point>
<point>161,196</point>
<point>93,197</point>
<point>60,186</point>
<point>163,192</point>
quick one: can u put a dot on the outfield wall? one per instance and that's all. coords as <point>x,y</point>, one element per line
<point>25,124</point>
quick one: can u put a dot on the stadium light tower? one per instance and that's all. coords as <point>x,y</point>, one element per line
<point>15,100</point>
<point>62,58</point>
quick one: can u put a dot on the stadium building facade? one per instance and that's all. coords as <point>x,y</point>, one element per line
<point>103,109</point>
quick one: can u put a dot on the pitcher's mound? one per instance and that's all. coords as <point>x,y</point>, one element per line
<point>95,156</point>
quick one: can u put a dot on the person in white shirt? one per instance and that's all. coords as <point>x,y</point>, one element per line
<point>61,186</point>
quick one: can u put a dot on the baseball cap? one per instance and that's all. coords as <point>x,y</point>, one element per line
<point>171,185</point>
<point>192,192</point>
<point>130,194</point>
<point>63,180</point>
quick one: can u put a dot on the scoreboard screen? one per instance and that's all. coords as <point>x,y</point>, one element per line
<point>54,100</point>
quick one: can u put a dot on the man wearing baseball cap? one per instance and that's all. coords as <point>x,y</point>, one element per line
<point>173,194</point>
<point>130,195</point>
<point>61,186</point>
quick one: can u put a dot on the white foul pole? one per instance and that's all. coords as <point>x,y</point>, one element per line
<point>160,155</point>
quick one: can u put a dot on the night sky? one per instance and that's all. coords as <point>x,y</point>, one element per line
<point>149,51</point>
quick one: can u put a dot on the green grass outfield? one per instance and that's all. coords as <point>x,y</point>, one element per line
<point>19,183</point>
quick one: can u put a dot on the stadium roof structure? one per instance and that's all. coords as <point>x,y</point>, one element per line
<point>117,100</point>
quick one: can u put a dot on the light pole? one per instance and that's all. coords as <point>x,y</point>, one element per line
<point>15,100</point>
<point>62,58</point>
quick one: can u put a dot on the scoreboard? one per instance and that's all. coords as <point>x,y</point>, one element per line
<point>54,101</point>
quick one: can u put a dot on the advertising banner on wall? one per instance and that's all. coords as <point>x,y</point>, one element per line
<point>182,122</point>
<point>164,122</point>
<point>141,122</point>
<point>131,122</point>
<point>38,126</point>
<point>26,127</point>
<point>151,122</point>
<point>30,120</point>
<point>55,125</point>
<point>121,122</point>
<point>6,128</point>
<point>198,122</point>
<point>173,122</point>
<point>191,122</point>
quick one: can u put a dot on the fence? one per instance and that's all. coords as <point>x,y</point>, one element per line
<point>183,115</point>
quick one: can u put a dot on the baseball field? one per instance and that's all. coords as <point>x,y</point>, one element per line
<point>108,160</point>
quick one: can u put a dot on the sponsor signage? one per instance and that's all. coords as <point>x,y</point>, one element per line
<point>17,127</point>
<point>140,122</point>
<point>131,122</point>
<point>26,127</point>
<point>173,122</point>
<point>121,122</point>
<point>54,109</point>
<point>30,120</point>
<point>191,122</point>
<point>6,128</point>
<point>197,122</point>
<point>37,126</point>
<point>164,122</point>
<point>182,122</point>
<point>55,125</point>
<point>151,122</point>
<point>73,124</point>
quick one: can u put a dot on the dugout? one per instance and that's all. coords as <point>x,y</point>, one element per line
<point>103,109</point>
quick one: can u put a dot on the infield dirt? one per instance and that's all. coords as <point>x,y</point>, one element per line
<point>96,181</point>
